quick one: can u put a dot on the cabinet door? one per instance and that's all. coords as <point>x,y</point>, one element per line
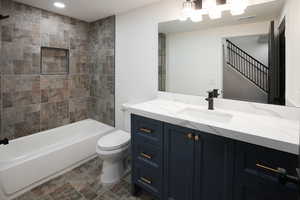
<point>256,183</point>
<point>213,167</point>
<point>179,163</point>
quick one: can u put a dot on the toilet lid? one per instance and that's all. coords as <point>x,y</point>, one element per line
<point>114,140</point>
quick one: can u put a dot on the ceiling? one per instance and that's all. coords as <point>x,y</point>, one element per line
<point>262,11</point>
<point>89,10</point>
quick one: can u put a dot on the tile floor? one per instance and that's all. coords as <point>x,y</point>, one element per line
<point>83,183</point>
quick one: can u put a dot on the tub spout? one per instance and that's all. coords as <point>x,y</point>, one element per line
<point>4,141</point>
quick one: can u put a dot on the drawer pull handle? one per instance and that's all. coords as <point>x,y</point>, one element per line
<point>267,168</point>
<point>197,137</point>
<point>189,136</point>
<point>145,180</point>
<point>146,156</point>
<point>145,130</point>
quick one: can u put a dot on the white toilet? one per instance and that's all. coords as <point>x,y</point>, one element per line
<point>113,149</point>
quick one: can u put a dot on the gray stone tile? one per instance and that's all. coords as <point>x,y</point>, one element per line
<point>102,70</point>
<point>54,88</point>
<point>7,33</point>
<point>83,183</point>
<point>88,193</point>
<point>79,85</point>
<point>66,192</point>
<point>108,195</point>
<point>54,114</point>
<point>102,109</point>
<point>49,187</point>
<point>20,121</point>
<point>122,190</point>
<point>21,90</point>
<point>26,196</point>
<point>79,62</point>
<point>78,109</point>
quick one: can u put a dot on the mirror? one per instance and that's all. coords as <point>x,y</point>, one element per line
<point>247,57</point>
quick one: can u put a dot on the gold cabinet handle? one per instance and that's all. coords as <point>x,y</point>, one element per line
<point>145,180</point>
<point>145,130</point>
<point>267,168</point>
<point>189,136</point>
<point>197,137</point>
<point>146,155</point>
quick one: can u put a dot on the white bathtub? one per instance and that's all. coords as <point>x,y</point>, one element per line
<point>29,161</point>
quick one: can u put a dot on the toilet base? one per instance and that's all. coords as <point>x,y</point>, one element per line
<point>112,171</point>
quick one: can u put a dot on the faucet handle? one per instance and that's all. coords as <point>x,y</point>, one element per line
<point>216,92</point>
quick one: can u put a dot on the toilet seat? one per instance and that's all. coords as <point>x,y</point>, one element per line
<point>114,141</point>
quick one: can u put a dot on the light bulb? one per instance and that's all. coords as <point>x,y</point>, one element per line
<point>208,4</point>
<point>188,8</point>
<point>196,17</point>
<point>59,5</point>
<point>238,7</point>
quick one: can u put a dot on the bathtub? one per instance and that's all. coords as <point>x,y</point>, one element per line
<point>30,161</point>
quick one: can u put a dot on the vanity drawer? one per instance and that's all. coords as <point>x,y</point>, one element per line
<point>255,160</point>
<point>148,178</point>
<point>254,179</point>
<point>148,128</point>
<point>147,153</point>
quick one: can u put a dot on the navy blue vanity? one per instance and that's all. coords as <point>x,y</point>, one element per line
<point>175,163</point>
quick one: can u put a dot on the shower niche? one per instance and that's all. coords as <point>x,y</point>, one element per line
<point>54,61</point>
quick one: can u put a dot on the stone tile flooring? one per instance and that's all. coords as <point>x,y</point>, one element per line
<point>83,183</point>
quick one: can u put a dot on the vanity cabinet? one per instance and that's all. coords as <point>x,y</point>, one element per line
<point>197,165</point>
<point>176,163</point>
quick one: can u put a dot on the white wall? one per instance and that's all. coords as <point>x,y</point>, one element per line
<point>136,52</point>
<point>292,14</point>
<point>195,59</point>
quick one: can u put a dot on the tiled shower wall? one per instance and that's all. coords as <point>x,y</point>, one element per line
<point>31,102</point>
<point>102,62</point>
<point>162,62</point>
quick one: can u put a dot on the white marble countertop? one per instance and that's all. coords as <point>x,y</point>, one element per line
<point>272,132</point>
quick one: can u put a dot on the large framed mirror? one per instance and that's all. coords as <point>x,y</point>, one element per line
<point>247,56</point>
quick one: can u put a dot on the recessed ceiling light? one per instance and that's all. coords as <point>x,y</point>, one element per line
<point>59,5</point>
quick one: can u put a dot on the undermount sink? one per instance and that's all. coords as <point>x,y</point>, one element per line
<point>208,115</point>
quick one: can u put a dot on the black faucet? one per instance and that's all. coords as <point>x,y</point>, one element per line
<point>211,95</point>
<point>215,93</point>
<point>4,141</point>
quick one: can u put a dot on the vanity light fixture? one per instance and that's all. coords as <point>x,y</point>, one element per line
<point>195,9</point>
<point>59,5</point>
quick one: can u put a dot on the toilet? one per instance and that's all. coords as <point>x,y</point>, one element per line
<point>113,149</point>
